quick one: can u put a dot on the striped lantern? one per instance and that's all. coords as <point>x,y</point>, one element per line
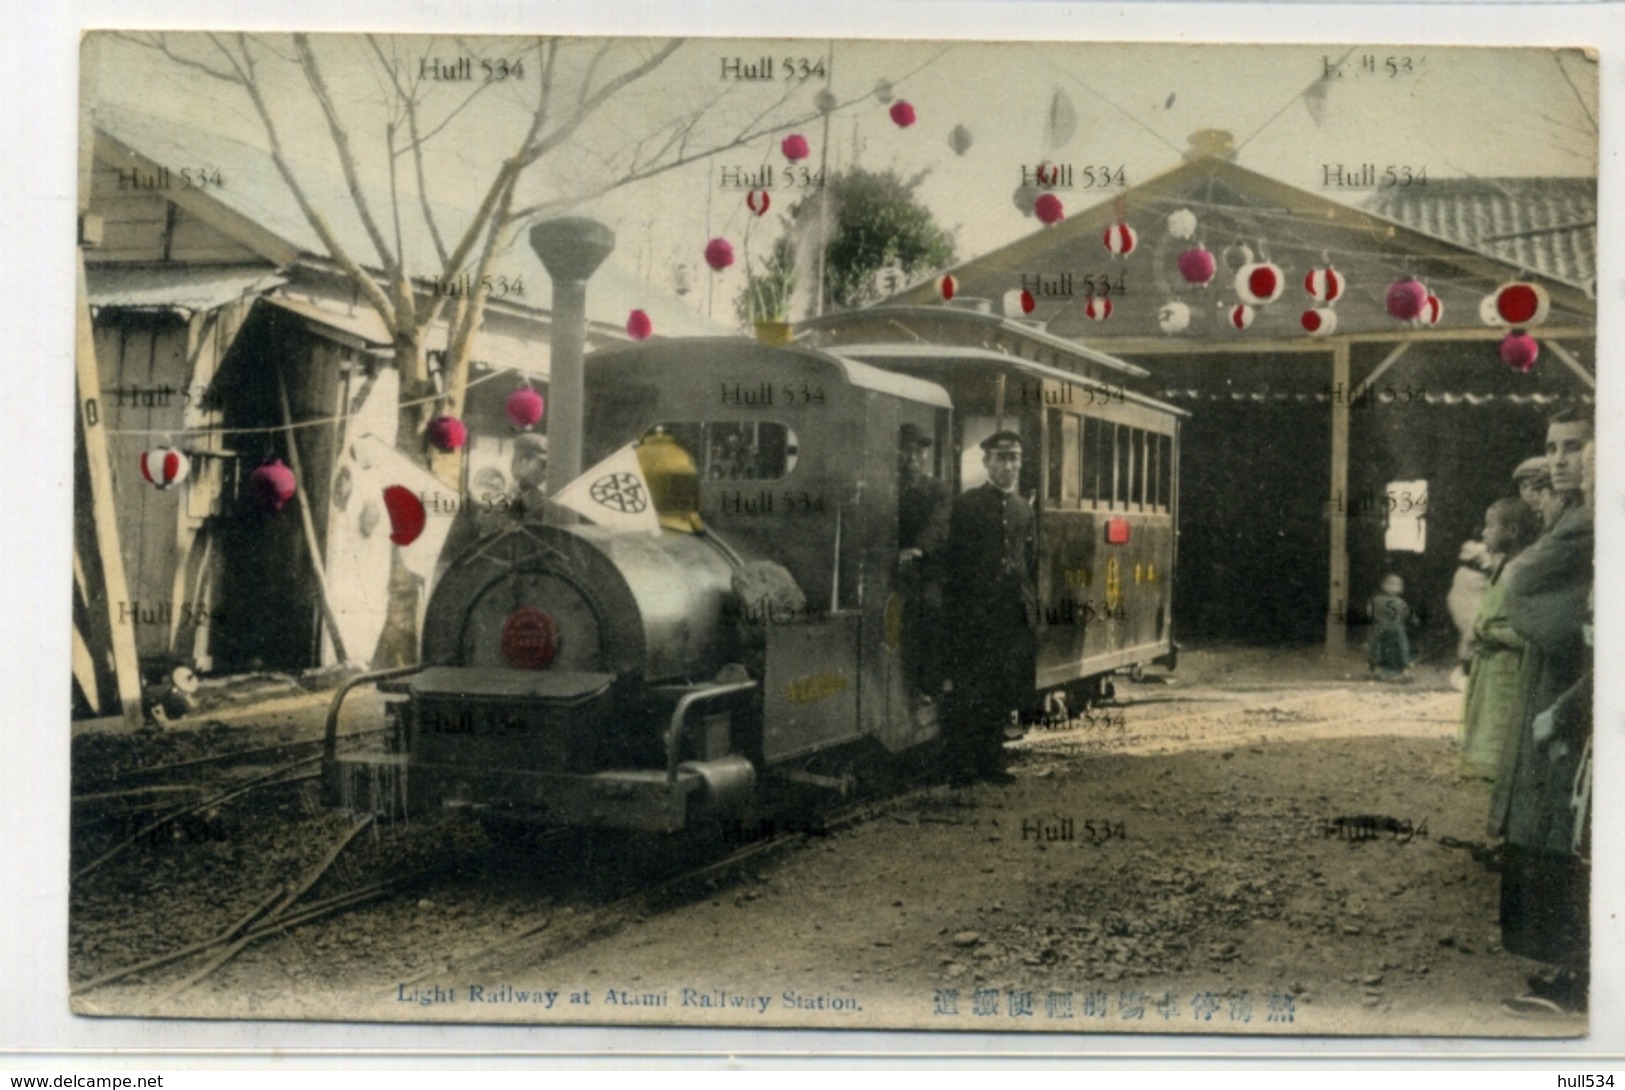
<point>758,201</point>
<point>1120,238</point>
<point>1017,303</point>
<point>1319,321</point>
<point>1174,317</point>
<point>1522,304</point>
<point>165,467</point>
<point>1432,310</point>
<point>1259,283</point>
<point>1487,312</point>
<point>946,286</point>
<point>1240,316</point>
<point>1324,284</point>
<point>1097,308</point>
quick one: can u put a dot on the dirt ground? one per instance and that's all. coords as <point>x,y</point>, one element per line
<point>1259,843</point>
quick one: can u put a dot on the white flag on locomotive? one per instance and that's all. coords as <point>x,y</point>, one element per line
<point>614,494</point>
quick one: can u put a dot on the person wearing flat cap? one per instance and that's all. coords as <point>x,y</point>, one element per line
<point>1533,481</point>
<point>991,593</point>
<point>923,506</point>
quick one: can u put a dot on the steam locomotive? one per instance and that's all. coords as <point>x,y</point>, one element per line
<point>575,676</point>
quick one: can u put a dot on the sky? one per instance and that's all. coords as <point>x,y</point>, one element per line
<point>1446,111</point>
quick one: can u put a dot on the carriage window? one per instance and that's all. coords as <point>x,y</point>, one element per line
<point>1069,456</point>
<point>1089,460</point>
<point>1136,444</point>
<point>1120,492</point>
<point>1165,472</point>
<point>1057,454</point>
<point>1151,499</point>
<point>756,450</point>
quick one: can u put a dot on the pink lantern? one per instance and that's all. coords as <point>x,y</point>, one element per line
<point>1260,283</point>
<point>1197,266</point>
<point>947,285</point>
<point>1520,351</point>
<point>1048,208</point>
<point>758,201</point>
<point>1432,310</point>
<point>639,325</point>
<point>271,486</point>
<point>525,407</point>
<point>1097,308</point>
<point>1120,238</point>
<point>1324,284</point>
<point>719,254</point>
<point>1522,304</point>
<point>1240,316</point>
<point>795,147</point>
<point>1406,297</point>
<point>902,114</point>
<point>447,433</point>
<point>406,514</point>
<point>165,467</point>
<point>1319,321</point>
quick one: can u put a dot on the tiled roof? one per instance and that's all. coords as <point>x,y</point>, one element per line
<point>1546,225</point>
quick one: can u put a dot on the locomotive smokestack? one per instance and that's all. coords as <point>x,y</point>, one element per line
<point>571,250</point>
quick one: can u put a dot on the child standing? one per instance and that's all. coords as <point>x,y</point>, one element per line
<point>1390,650</point>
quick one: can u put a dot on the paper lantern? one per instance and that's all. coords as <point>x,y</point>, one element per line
<point>1260,283</point>
<point>1324,284</point>
<point>1197,266</point>
<point>947,285</point>
<point>1319,321</point>
<point>719,254</point>
<point>1432,310</point>
<point>1406,297</point>
<point>959,139</point>
<point>164,467</point>
<point>1174,317</point>
<point>902,114</point>
<point>1236,255</point>
<point>1487,312</point>
<point>1519,350</point>
<point>1182,224</point>
<point>1522,304</point>
<point>1018,303</point>
<point>447,433</point>
<point>1026,301</point>
<point>883,90</point>
<point>795,147</point>
<point>406,515</point>
<point>1119,239</point>
<point>758,201</point>
<point>1240,316</point>
<point>639,325</point>
<point>271,485</point>
<point>525,407</point>
<point>1026,193</point>
<point>1097,308</point>
<point>1048,208</point>
<point>825,101</point>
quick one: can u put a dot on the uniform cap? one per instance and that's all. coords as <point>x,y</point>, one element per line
<point>998,439</point>
<point>911,436</point>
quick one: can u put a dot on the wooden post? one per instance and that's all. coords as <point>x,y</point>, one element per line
<point>1337,597</point>
<point>126,667</point>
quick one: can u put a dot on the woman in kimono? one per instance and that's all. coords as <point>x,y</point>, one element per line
<point>1494,706</point>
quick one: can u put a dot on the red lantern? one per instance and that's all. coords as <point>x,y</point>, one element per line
<point>525,407</point>
<point>406,515</point>
<point>447,433</point>
<point>946,286</point>
<point>1048,209</point>
<point>1027,302</point>
<point>271,485</point>
<point>164,467</point>
<point>902,114</point>
<point>1240,316</point>
<point>1097,308</point>
<point>1520,351</point>
<point>1522,304</point>
<point>758,201</point>
<point>1406,297</point>
<point>1319,322</point>
<point>639,325</point>
<point>1197,266</point>
<point>1260,283</point>
<point>1119,239</point>
<point>719,254</point>
<point>1323,284</point>
<point>1432,310</point>
<point>795,147</point>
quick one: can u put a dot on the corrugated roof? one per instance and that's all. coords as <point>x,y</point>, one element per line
<point>254,189</point>
<point>1546,225</point>
<point>176,287</point>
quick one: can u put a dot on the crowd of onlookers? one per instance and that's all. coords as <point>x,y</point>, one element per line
<point>1523,600</point>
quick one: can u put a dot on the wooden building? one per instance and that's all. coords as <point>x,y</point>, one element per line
<point>1372,447</point>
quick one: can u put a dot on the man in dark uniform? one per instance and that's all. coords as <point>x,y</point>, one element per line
<point>991,593</point>
<point>923,507</point>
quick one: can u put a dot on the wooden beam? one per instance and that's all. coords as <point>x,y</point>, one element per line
<point>104,515</point>
<point>1378,371</point>
<point>1337,596</point>
<point>1573,364</point>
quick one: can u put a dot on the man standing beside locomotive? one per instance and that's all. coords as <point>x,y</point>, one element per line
<point>991,595</point>
<point>923,506</point>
